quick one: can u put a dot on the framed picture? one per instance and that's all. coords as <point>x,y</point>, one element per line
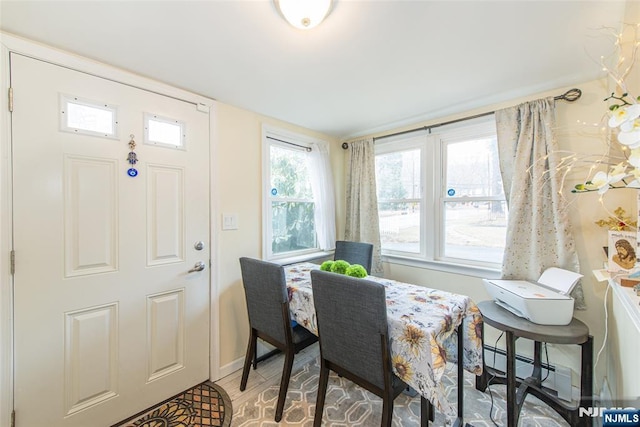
<point>622,250</point>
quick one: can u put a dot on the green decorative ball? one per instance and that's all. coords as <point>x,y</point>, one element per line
<point>340,266</point>
<point>326,266</point>
<point>356,270</point>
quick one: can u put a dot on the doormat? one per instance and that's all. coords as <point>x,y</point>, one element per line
<point>206,404</point>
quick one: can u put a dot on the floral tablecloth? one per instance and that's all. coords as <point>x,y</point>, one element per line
<point>422,330</point>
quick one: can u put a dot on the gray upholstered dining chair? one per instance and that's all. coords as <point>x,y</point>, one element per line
<point>265,289</point>
<point>354,253</point>
<point>354,342</point>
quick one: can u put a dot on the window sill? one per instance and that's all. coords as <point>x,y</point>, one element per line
<point>303,258</point>
<point>466,270</point>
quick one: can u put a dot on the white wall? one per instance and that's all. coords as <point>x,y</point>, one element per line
<point>238,173</point>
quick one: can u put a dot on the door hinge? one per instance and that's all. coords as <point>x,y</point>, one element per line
<point>13,418</point>
<point>13,262</point>
<point>11,100</point>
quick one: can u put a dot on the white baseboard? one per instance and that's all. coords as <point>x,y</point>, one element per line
<point>558,377</point>
<point>230,368</point>
<point>237,364</point>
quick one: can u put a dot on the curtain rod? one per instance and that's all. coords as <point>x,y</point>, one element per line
<point>290,143</point>
<point>569,96</point>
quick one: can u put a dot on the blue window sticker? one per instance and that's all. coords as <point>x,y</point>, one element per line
<point>274,192</point>
<point>451,192</point>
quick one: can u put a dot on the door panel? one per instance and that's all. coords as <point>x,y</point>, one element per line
<point>108,320</point>
<point>165,335</point>
<point>91,216</point>
<point>165,215</point>
<point>91,357</point>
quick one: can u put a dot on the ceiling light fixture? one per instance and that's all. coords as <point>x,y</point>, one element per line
<point>304,14</point>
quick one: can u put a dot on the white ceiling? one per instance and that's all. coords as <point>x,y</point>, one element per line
<point>372,65</point>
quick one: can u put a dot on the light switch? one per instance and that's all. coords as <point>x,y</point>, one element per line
<point>229,221</point>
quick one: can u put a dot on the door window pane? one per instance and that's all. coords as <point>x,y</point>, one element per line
<point>164,131</point>
<point>87,117</point>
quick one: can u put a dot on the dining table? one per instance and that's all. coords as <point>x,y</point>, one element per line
<point>428,328</point>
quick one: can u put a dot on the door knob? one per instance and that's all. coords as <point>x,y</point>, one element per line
<point>199,266</point>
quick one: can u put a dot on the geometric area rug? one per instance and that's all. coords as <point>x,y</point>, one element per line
<point>206,404</point>
<point>348,405</point>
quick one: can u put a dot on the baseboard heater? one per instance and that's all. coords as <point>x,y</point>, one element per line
<point>558,378</point>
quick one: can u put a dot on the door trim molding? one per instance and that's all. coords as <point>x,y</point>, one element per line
<point>10,43</point>
<point>75,62</point>
<point>215,372</point>
<point>6,242</point>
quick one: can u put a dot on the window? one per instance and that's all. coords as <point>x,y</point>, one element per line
<point>440,195</point>
<point>399,184</point>
<point>289,204</point>
<point>163,131</point>
<point>87,117</point>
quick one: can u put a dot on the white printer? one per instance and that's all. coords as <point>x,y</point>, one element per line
<point>545,302</point>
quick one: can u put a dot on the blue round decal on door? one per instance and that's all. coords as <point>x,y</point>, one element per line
<point>451,192</point>
<point>274,192</point>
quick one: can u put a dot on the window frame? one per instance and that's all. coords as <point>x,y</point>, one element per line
<point>432,143</point>
<point>479,130</point>
<point>388,146</point>
<point>289,140</point>
<point>65,99</point>
<point>148,117</point>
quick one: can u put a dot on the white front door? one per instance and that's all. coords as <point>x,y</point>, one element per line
<point>108,318</point>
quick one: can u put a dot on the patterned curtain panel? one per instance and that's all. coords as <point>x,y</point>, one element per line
<point>538,231</point>
<point>362,200</point>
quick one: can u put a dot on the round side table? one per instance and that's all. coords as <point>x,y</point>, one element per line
<point>516,327</point>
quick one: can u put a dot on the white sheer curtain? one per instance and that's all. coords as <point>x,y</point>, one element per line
<point>362,200</point>
<point>323,195</point>
<point>538,230</point>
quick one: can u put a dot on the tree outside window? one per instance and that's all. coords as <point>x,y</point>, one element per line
<point>291,201</point>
